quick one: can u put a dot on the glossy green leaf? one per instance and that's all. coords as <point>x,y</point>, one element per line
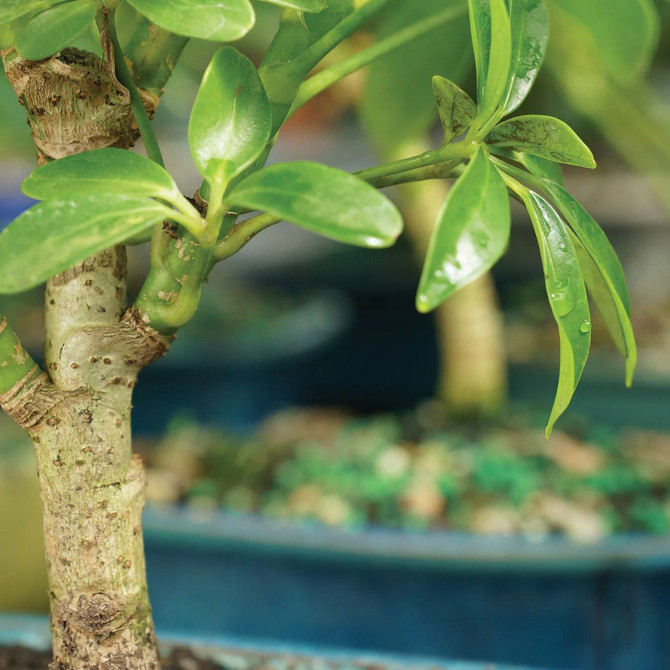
<point>543,136</point>
<point>397,107</point>
<point>456,108</point>
<point>471,234</point>
<point>567,297</point>
<point>54,29</point>
<point>530,36</point>
<point>100,171</point>
<point>625,33</point>
<point>324,200</point>
<point>13,9</point>
<point>231,121</point>
<point>610,307</point>
<point>498,75</point>
<point>216,20</point>
<point>311,6</point>
<point>616,308</point>
<point>54,235</point>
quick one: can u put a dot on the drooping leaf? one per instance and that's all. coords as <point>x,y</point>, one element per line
<point>231,121</point>
<point>456,108</point>
<point>311,6</point>
<point>609,305</point>
<point>625,33</point>
<point>471,234</point>
<point>216,20</point>
<point>543,136</point>
<point>54,235</point>
<point>397,107</point>
<point>530,35</point>
<point>13,9</point>
<point>567,297</point>
<point>603,256</point>
<point>100,171</point>
<point>322,199</point>
<point>54,29</point>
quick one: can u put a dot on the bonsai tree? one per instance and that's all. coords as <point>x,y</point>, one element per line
<point>97,198</point>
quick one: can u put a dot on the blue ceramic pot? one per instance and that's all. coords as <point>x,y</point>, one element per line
<point>553,604</point>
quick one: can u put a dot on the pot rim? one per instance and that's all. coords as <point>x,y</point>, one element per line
<point>33,631</point>
<point>445,551</point>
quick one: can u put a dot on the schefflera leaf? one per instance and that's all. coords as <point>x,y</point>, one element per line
<point>54,29</point>
<point>530,37</point>
<point>492,42</point>
<point>54,235</point>
<point>543,136</point>
<point>471,234</point>
<point>101,171</point>
<point>14,9</point>
<point>602,272</point>
<point>456,108</point>
<point>231,121</point>
<point>322,199</point>
<point>567,297</point>
<point>216,20</point>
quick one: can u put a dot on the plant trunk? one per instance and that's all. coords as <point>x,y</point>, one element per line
<point>78,412</point>
<point>470,329</point>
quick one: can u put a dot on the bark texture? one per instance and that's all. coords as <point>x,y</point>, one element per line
<point>78,411</point>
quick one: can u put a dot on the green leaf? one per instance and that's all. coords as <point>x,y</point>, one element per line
<point>456,108</point>
<point>543,136</point>
<point>54,29</point>
<point>567,297</point>
<point>606,280</point>
<point>494,49</point>
<point>624,32</point>
<point>480,27</point>
<point>609,305</point>
<point>471,234</point>
<point>336,11</point>
<point>13,9</point>
<point>397,107</point>
<point>52,236</point>
<point>216,20</point>
<point>231,121</point>
<point>324,200</point>
<point>530,35</point>
<point>100,171</point>
<point>311,6</point>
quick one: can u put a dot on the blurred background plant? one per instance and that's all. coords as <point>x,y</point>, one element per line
<point>302,321</point>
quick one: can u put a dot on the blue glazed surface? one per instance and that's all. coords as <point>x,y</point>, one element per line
<point>554,605</point>
<point>34,632</point>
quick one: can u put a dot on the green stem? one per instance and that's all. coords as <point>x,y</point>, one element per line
<point>325,79</point>
<point>137,105</point>
<point>15,363</point>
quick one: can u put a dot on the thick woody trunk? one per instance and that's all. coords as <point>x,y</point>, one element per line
<point>78,413</point>
<point>470,329</point>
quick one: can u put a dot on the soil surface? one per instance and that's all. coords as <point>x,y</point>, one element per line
<point>182,658</point>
